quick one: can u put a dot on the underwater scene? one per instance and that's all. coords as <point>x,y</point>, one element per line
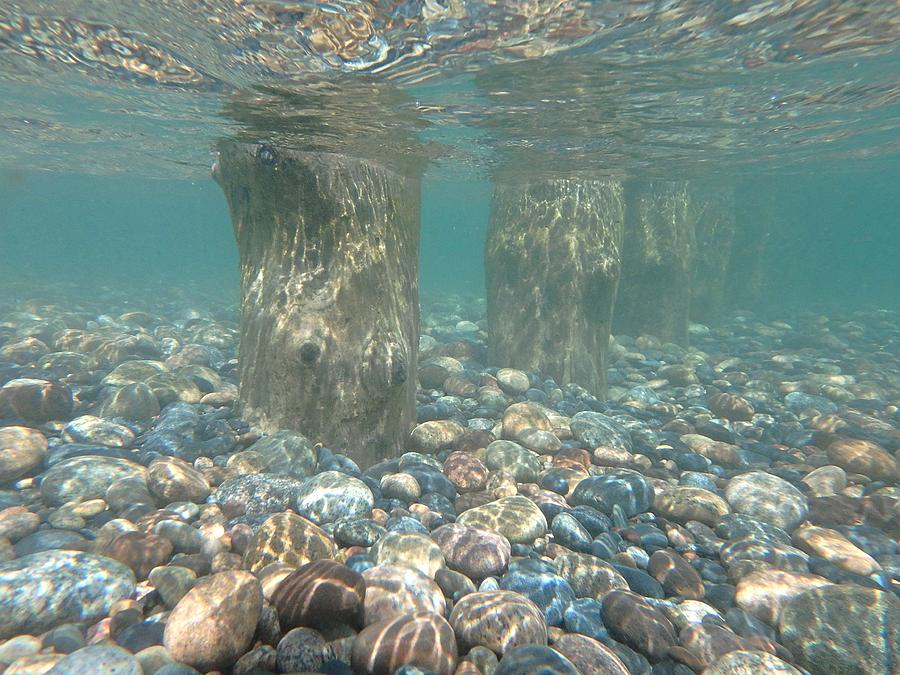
<point>450,337</point>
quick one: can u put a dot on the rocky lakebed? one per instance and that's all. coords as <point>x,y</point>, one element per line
<point>732,508</point>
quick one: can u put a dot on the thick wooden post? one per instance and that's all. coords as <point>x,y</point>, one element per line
<point>329,294</point>
<point>552,267</point>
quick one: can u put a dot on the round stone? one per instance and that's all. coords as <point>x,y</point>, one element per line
<point>423,640</point>
<point>750,663</point>
<point>431,437</point>
<point>682,504</point>
<point>597,430</point>
<point>825,481</point>
<point>632,620</point>
<point>627,489</point>
<point>391,591</point>
<point>516,518</point>
<point>767,498</point>
<point>676,575</point>
<point>213,624</point>
<point>21,452</point>
<point>287,452</point>
<point>320,593</point>
<point>45,589</point>
<point>465,471</point>
<point>835,548</point>
<point>35,401</point>
<point>731,407</point>
<point>535,659</point>
<point>290,539</point>
<point>409,549</point>
<point>589,576</point>
<point>257,493</point>
<point>521,417</point>
<point>521,464</point>
<point>133,371</point>
<point>589,655</point>
<point>174,480</point>
<point>512,381</point>
<point>433,372</point>
<point>498,620</point>
<point>540,584</point>
<point>860,456</point>
<point>83,478</point>
<point>132,402</point>
<point>765,593</point>
<point>300,650</point>
<point>95,430</point>
<point>400,486</point>
<point>843,629</point>
<point>101,658</point>
<point>141,552</point>
<point>475,552</point>
<point>332,495</point>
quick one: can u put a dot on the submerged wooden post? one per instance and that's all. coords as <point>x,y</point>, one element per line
<point>713,215</point>
<point>657,257</point>
<point>552,267</point>
<point>329,294</point>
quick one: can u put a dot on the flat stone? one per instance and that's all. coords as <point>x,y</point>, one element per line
<point>133,371</point>
<point>598,430</point>
<point>589,655</point>
<point>835,548</point>
<point>431,437</point>
<point>35,401</point>
<point>320,593</point>
<point>134,401</point>
<point>521,464</point>
<point>512,381</point>
<point>750,663</point>
<point>589,576</point>
<point>89,429</point>
<point>676,575</point>
<point>213,624</point>
<point>535,659</point>
<point>865,457</point>
<point>628,489</point>
<point>520,417</point>
<point>465,471</point>
<point>99,658</point>
<point>825,481</point>
<point>257,494</point>
<point>174,480</point>
<point>764,594</point>
<point>46,589</point>
<point>682,504</point>
<point>287,452</point>
<point>639,625</point>
<point>843,629</point>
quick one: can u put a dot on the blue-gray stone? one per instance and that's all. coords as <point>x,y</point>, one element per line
<point>535,660</point>
<point>628,489</point>
<point>258,493</point>
<point>568,532</point>
<point>585,616</point>
<point>596,430</point>
<point>549,591</point>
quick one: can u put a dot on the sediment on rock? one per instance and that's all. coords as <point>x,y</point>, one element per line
<point>657,257</point>
<point>329,294</point>
<point>552,269</point>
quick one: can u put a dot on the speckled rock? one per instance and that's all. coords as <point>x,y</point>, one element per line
<point>101,658</point>
<point>498,620</point>
<point>82,478</point>
<point>635,622</point>
<point>290,539</point>
<point>287,452</point>
<point>764,594</point>
<point>257,493</point>
<point>767,498</point>
<point>682,504</point>
<point>423,640</point>
<point>332,495</point>
<point>843,629</point>
<point>409,549</point>
<point>45,589</point>
<point>21,452</point>
<point>629,489</point>
<point>318,593</point>
<point>213,625</point>
<point>391,591</point>
<point>300,650</point>
<point>516,518</point>
<point>475,552</point>
<point>174,480</point>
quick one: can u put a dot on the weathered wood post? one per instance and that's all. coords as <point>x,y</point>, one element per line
<point>552,268</point>
<point>329,294</point>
